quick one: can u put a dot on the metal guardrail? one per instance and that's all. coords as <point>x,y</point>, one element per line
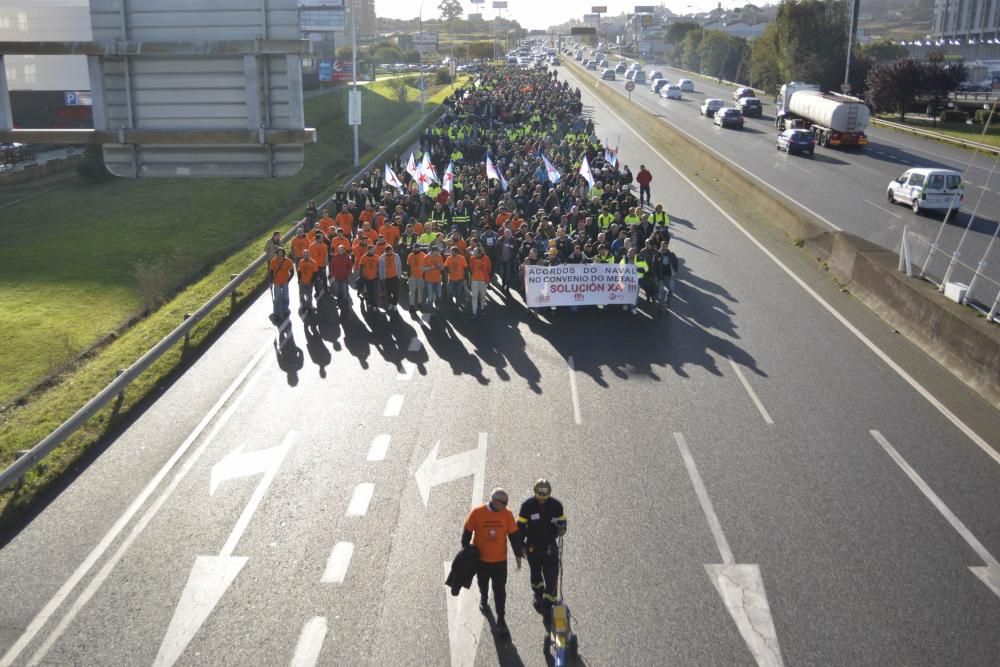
<point>30,458</point>
<point>974,145</point>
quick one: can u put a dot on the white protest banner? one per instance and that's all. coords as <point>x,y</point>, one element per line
<point>581,285</point>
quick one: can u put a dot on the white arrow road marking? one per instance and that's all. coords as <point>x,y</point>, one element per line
<point>98,580</point>
<point>989,574</point>
<point>208,582</point>
<point>337,564</point>
<point>380,445</point>
<point>434,471</point>
<point>572,391</point>
<point>740,586</point>
<point>310,643</point>
<point>465,624</point>
<point>211,576</point>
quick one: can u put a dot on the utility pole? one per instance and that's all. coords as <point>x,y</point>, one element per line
<point>354,73</point>
<point>420,51</point>
<point>852,27</point>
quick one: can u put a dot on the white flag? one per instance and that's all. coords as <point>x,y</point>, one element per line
<point>493,172</point>
<point>551,171</point>
<point>411,167</point>
<point>585,172</point>
<point>449,178</point>
<point>427,167</point>
<point>391,178</point>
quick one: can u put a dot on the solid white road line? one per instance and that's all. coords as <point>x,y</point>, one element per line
<point>310,643</point>
<point>706,503</point>
<point>992,568</point>
<point>380,445</point>
<point>360,499</point>
<point>64,591</point>
<point>883,209</point>
<point>919,388</point>
<point>573,392</point>
<point>753,394</point>
<point>338,562</point>
<point>393,406</point>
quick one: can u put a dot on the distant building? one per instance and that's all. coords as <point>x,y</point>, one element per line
<point>965,19</point>
<point>738,29</point>
<point>47,91</point>
<point>328,22</point>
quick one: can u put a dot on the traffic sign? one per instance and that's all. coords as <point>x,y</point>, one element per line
<point>845,88</point>
<point>630,86</point>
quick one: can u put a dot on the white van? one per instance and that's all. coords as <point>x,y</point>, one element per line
<point>928,189</point>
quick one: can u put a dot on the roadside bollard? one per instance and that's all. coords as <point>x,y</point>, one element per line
<point>18,454</point>
<point>232,295</point>
<point>187,334</point>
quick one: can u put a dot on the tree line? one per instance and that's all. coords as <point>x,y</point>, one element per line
<point>807,41</point>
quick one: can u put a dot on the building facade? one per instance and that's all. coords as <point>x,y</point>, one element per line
<point>966,19</point>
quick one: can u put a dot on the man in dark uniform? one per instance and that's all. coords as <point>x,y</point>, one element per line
<point>542,521</point>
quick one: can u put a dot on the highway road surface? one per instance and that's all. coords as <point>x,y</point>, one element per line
<point>846,189</point>
<point>764,475</point>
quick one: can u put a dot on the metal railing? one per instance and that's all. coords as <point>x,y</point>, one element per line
<point>30,458</point>
<point>937,136</point>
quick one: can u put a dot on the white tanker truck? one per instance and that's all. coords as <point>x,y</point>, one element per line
<point>834,119</point>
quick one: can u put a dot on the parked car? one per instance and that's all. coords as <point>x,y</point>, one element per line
<point>750,106</point>
<point>743,91</point>
<point>671,91</point>
<point>591,64</point>
<point>687,85</point>
<point>608,74</point>
<point>925,189</point>
<point>796,141</point>
<point>710,106</point>
<point>656,85</point>
<point>729,117</point>
<point>621,67</point>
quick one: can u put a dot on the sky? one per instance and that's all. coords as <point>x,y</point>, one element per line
<point>534,15</point>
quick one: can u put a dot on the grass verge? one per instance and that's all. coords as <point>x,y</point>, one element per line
<point>84,260</point>
<point>955,130</point>
<point>43,410</point>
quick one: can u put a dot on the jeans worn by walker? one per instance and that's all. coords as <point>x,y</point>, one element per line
<point>280,301</point>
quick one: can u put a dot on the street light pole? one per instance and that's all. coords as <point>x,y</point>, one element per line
<point>354,73</point>
<point>420,51</point>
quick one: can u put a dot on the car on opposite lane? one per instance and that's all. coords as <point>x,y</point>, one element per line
<point>710,106</point>
<point>750,106</point>
<point>657,85</point>
<point>796,141</point>
<point>729,117</point>
<point>608,74</point>
<point>671,91</point>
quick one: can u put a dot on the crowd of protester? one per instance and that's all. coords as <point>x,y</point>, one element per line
<point>529,183</point>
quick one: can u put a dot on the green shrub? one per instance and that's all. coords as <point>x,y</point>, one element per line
<point>442,77</point>
<point>954,116</point>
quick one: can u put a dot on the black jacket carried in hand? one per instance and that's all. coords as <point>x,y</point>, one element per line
<point>463,569</point>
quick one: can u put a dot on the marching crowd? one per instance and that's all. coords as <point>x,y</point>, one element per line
<point>510,176</point>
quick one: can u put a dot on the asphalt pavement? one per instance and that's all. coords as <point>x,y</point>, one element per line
<point>846,188</point>
<point>765,474</point>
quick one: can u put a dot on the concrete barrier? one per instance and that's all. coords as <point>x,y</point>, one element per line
<point>34,171</point>
<point>957,337</point>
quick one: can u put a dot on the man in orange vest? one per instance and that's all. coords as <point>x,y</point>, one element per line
<point>368,267</point>
<point>415,279</point>
<point>389,268</point>
<point>279,273</point>
<point>489,527</point>
<point>432,265</point>
<point>307,269</point>
<point>479,273</point>
<point>456,266</point>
